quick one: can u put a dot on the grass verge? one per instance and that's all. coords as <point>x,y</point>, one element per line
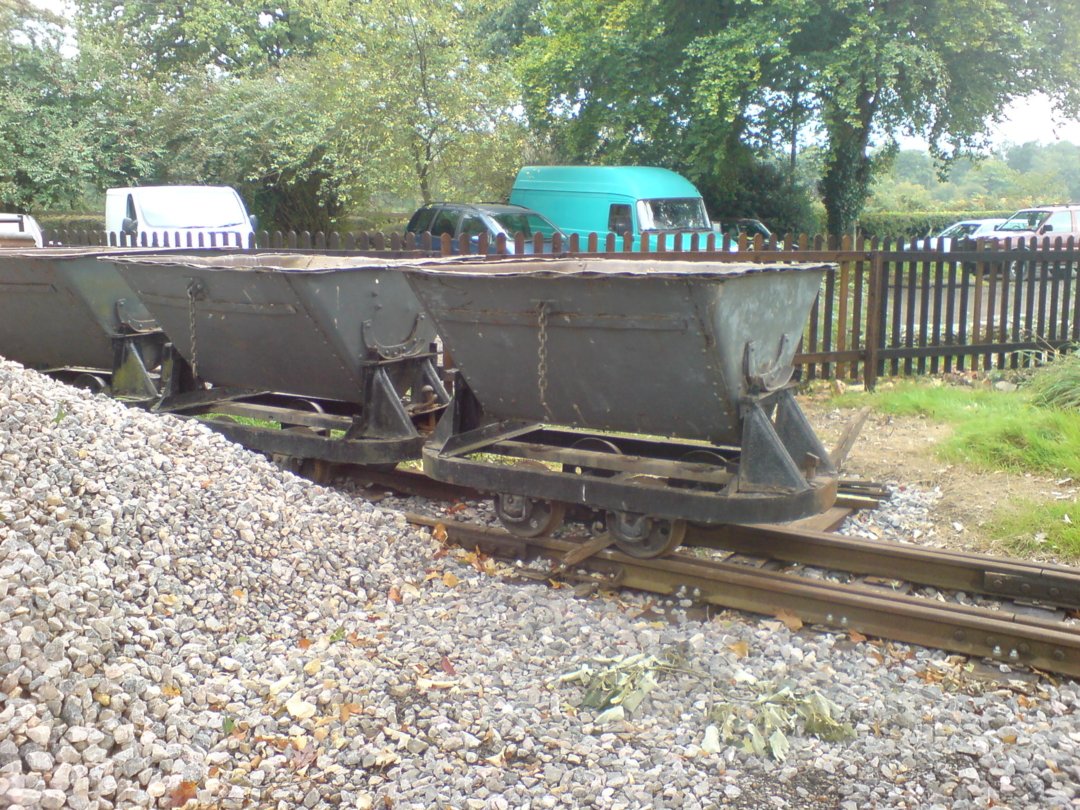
<point>1034,430</point>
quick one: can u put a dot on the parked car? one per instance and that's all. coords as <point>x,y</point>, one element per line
<point>469,220</point>
<point>1039,223</point>
<point>960,234</point>
<point>19,230</point>
<point>1042,221</point>
<point>734,228</point>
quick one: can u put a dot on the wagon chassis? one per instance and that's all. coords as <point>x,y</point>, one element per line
<point>380,431</point>
<point>648,488</point>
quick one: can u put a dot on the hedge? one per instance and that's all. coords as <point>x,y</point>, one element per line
<point>917,224</point>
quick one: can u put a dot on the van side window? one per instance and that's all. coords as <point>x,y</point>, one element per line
<point>619,219</point>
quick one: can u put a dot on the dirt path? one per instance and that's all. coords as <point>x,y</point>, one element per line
<point>901,450</point>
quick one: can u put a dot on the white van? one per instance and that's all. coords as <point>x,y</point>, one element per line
<point>178,216</point>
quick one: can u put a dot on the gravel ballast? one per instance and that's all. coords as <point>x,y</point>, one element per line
<point>181,621</point>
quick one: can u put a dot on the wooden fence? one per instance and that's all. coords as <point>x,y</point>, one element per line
<point>884,308</point>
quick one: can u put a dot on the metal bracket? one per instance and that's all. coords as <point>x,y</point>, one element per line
<point>763,374</point>
<point>411,345</point>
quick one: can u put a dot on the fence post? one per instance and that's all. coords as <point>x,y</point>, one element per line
<point>874,319</point>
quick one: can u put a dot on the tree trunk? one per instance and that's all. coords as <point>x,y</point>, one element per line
<point>845,183</point>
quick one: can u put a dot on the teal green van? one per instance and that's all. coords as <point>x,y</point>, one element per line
<point>641,200</point>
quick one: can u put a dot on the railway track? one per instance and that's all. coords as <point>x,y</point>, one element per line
<point>870,587</point>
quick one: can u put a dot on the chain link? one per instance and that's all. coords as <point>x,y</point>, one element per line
<point>542,356</point>
<point>194,291</point>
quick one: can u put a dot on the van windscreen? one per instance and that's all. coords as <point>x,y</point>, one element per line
<point>183,207</point>
<point>671,214</point>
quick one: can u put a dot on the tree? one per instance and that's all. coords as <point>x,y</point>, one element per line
<point>679,84</point>
<point>426,112</point>
<point>44,146</point>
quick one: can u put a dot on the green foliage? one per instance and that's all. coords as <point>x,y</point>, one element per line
<point>1005,181</point>
<point>1030,528</point>
<point>993,430</point>
<point>1057,385</point>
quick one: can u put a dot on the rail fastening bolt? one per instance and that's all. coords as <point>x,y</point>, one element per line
<point>843,621</point>
<point>1013,655</point>
<point>997,651</point>
<point>959,635</point>
<point>1055,592</point>
<point>1025,588</point>
<point>997,582</point>
<point>829,618</point>
<point>1059,655</point>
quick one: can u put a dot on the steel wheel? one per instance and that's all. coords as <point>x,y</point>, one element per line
<point>529,517</point>
<point>645,536</point>
<point>598,446</point>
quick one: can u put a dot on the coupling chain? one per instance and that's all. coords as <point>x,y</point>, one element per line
<point>542,356</point>
<point>194,291</point>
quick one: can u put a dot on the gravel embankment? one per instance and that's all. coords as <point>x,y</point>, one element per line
<point>179,619</point>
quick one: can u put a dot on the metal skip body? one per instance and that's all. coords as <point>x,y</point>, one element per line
<point>63,311</point>
<point>341,336</point>
<point>561,355</point>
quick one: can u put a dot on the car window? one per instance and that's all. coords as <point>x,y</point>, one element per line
<point>1024,220</point>
<point>526,223</point>
<point>421,220</point>
<point>445,222</point>
<point>473,225</point>
<point>619,219</point>
<point>1060,222</point>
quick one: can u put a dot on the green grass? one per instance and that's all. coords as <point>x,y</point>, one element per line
<point>993,430</point>
<point>1033,430</point>
<point>1030,528</point>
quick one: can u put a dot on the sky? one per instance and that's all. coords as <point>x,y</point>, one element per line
<point>1028,119</point>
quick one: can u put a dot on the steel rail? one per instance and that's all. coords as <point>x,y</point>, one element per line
<point>955,570</point>
<point>1002,635</point>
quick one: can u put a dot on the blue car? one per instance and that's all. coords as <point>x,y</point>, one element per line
<point>470,220</point>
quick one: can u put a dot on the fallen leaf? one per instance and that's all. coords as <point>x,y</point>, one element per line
<point>321,734</point>
<point>430,575</point>
<point>740,648</point>
<point>239,593</point>
<point>711,743</point>
<point>182,794</point>
<point>439,533</point>
<point>792,621</point>
<point>394,595</point>
<point>303,757</point>
<point>453,509</point>
<point>409,589</point>
<point>1008,739</point>
<point>170,691</point>
<point>498,760</point>
<point>304,643</point>
<point>313,666</point>
<point>856,636</point>
<point>449,580</point>
<point>447,667</point>
<point>348,710</point>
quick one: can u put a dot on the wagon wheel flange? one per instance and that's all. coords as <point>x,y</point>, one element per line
<point>524,516</point>
<point>645,536</point>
